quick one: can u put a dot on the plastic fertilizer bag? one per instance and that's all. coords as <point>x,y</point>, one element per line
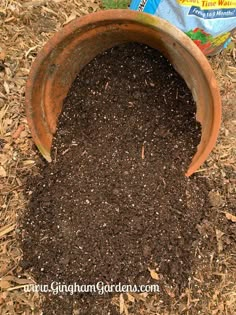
<point>209,24</point>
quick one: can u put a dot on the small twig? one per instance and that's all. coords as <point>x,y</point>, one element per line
<point>31,49</point>
<point>64,152</point>
<point>165,99</point>
<point>18,132</point>
<point>106,86</point>
<point>142,153</point>
<point>7,229</point>
<point>177,211</point>
<point>19,287</point>
<point>164,182</point>
<point>34,3</point>
<point>55,157</point>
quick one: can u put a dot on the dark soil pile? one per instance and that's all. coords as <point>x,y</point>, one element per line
<point>115,201</point>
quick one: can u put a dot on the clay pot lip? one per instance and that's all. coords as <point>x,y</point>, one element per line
<point>146,20</point>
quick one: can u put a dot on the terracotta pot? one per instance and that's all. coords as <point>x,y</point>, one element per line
<point>62,58</point>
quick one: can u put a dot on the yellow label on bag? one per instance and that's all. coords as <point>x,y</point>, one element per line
<point>206,4</point>
<point>219,40</point>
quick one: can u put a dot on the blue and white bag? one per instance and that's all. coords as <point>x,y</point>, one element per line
<point>208,23</point>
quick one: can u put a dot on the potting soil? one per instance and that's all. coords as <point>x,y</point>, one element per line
<point>115,203</point>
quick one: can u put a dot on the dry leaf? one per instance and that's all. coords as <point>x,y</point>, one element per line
<point>3,173</point>
<point>140,296</point>
<point>4,295</point>
<point>130,298</point>
<point>3,266</point>
<point>122,304</point>
<point>230,217</point>
<point>143,295</point>
<point>6,87</point>
<point>18,131</point>
<point>153,274</point>
<point>28,162</point>
<point>2,55</point>
<point>219,234</point>
<point>4,284</point>
<point>169,292</point>
<point>215,198</point>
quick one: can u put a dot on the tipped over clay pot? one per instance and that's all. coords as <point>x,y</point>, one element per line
<point>74,46</point>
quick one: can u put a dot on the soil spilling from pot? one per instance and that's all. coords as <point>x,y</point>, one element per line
<point>115,202</point>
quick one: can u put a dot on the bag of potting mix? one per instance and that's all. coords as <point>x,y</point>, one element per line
<point>209,23</point>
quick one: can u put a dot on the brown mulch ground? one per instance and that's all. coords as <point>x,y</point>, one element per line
<point>25,27</point>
